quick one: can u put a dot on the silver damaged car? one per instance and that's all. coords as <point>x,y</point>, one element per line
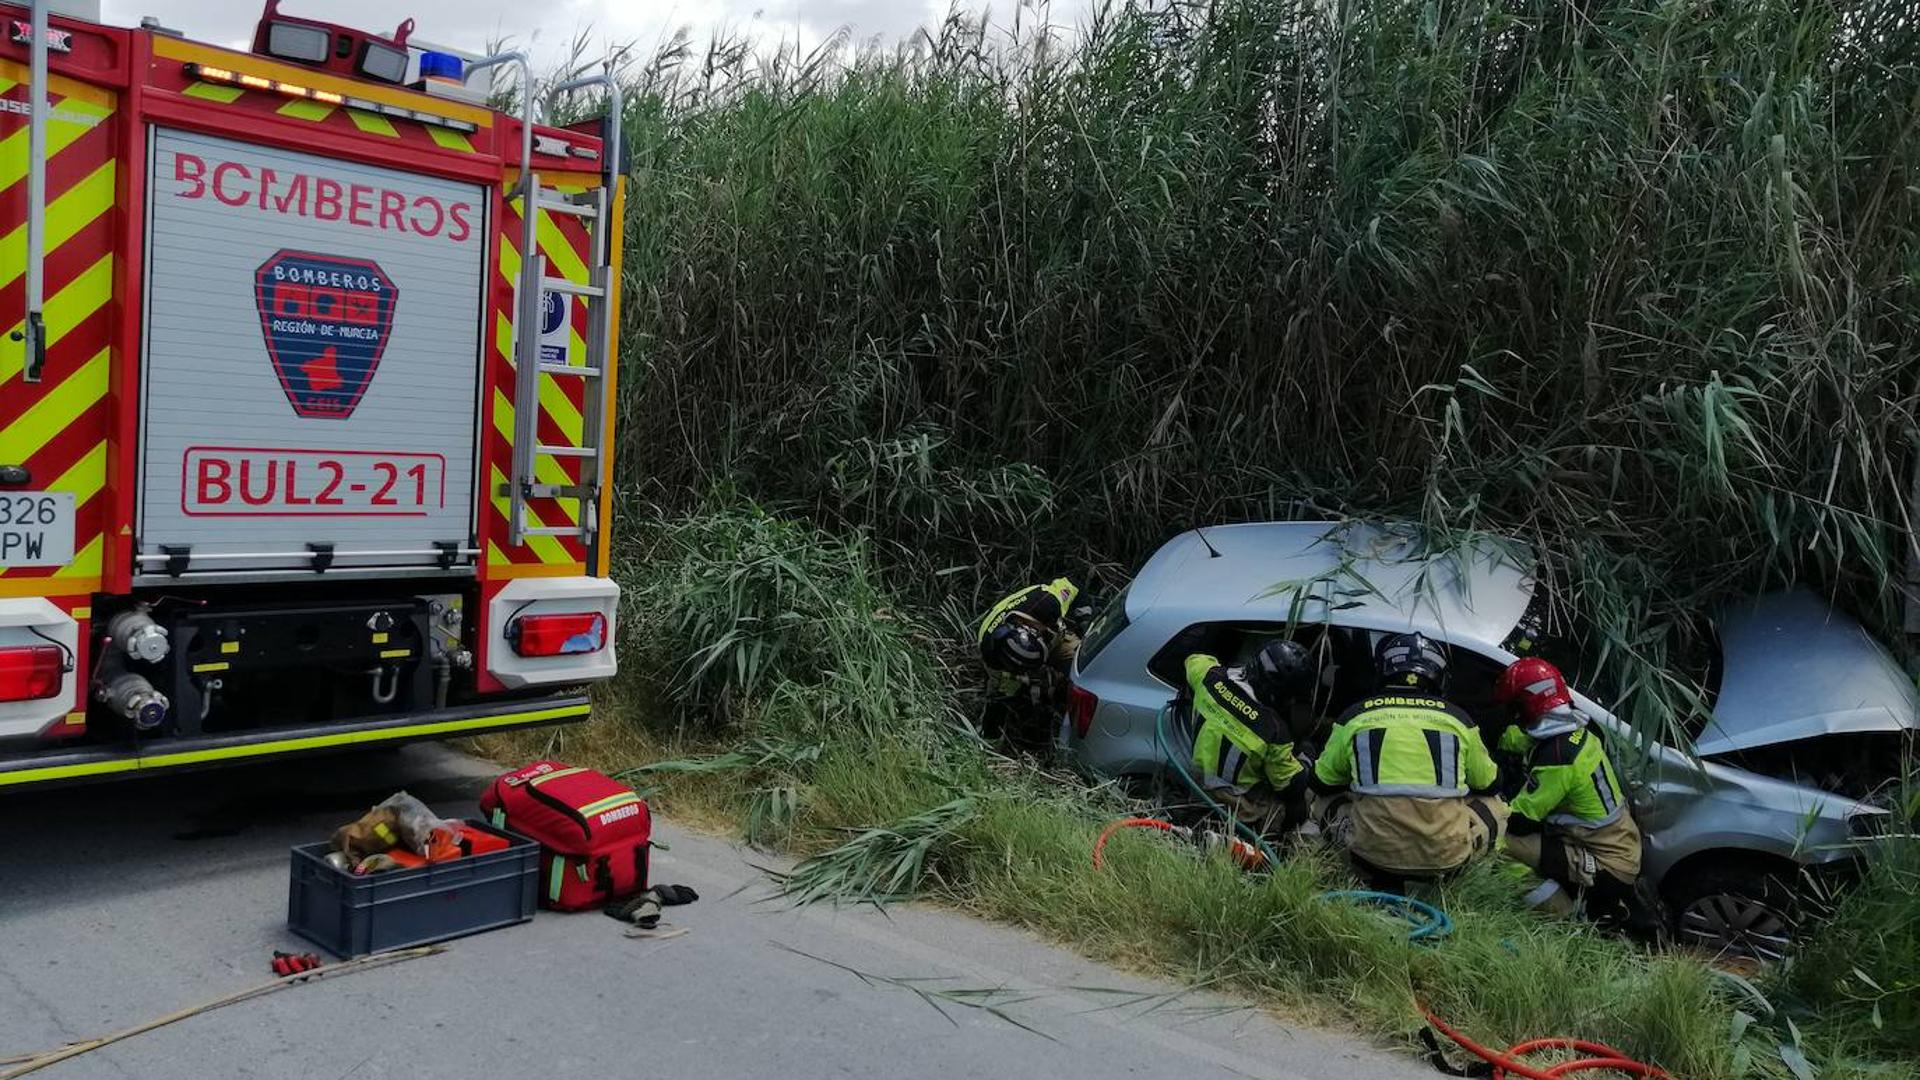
<point>1812,722</point>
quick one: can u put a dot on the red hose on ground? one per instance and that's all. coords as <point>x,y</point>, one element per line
<point>1100,845</point>
<point>1509,1064</point>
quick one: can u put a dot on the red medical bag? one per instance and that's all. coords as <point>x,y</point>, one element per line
<point>593,830</point>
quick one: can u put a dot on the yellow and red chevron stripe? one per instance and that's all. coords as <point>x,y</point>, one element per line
<point>324,116</point>
<point>58,427</point>
<point>341,118</point>
<point>567,244</point>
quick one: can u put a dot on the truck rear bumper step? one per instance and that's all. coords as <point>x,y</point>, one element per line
<point>62,766</point>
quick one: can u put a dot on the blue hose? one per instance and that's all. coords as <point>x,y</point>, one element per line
<point>1428,923</point>
<point>1241,827</point>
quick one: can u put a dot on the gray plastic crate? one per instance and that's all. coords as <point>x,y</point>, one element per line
<point>352,916</point>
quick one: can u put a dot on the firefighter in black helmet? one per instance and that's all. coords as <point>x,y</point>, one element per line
<point>1026,648</point>
<point>1243,750</point>
<point>1415,765</point>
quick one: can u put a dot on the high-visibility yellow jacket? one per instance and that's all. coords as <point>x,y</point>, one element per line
<point>1046,604</point>
<point>1570,778</point>
<point>1241,742</point>
<point>1405,742</point>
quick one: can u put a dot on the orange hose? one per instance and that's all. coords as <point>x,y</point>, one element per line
<point>1100,845</point>
<point>1604,1057</point>
<point>1509,1064</point>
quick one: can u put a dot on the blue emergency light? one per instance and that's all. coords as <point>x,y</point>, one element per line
<point>439,65</point>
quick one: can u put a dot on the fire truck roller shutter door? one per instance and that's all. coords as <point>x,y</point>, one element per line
<point>312,360</point>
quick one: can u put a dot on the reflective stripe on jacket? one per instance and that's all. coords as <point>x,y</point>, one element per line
<point>1406,743</point>
<point>1046,604</point>
<point>1571,781</point>
<point>1241,742</point>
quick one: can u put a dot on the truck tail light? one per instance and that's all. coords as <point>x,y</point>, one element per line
<point>31,672</point>
<point>1080,708</point>
<point>571,634</point>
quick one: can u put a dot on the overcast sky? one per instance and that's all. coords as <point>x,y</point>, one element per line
<point>549,24</point>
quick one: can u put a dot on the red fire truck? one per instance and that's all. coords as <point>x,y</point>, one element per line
<point>305,396</point>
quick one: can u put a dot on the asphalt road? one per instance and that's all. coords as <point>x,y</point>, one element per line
<point>122,903</point>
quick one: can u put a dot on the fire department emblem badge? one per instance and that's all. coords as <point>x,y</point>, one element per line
<point>326,319</point>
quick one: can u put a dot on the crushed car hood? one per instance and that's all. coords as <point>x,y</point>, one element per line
<point>1794,668</point>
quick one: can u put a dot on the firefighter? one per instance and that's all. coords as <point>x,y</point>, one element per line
<point>1243,751</point>
<point>1571,823</point>
<point>1415,766</point>
<point>1026,649</point>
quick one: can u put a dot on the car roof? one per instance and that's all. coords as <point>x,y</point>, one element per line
<point>1375,577</point>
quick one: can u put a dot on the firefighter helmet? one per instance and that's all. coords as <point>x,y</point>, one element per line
<point>1413,661</point>
<point>1534,685</point>
<point>1014,646</point>
<point>1279,672</point>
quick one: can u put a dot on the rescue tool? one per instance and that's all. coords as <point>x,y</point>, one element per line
<point>304,397</point>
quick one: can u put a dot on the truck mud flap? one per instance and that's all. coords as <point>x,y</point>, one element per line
<point>60,766</point>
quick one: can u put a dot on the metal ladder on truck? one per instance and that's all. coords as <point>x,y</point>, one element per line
<point>33,331</point>
<point>594,207</point>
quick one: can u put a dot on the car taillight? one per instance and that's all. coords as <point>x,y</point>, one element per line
<point>558,635</point>
<point>1080,707</point>
<point>30,673</point>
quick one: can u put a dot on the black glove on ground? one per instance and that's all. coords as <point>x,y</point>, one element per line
<point>673,895</point>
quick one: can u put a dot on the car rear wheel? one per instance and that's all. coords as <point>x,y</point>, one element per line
<point>1735,913</point>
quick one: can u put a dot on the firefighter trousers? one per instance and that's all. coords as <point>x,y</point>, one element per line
<point>1401,837</point>
<point>1602,876</point>
<point>1272,814</point>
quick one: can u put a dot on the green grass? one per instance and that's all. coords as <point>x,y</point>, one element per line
<point>1634,281</point>
<point>886,794</point>
<point>1863,969</point>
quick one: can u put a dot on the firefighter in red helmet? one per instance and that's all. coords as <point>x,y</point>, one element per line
<point>1571,822</point>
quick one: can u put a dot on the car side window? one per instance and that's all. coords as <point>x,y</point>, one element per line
<point>1351,653</point>
<point>1471,678</point>
<point>1169,664</point>
<point>1345,656</point>
<point>1234,643</point>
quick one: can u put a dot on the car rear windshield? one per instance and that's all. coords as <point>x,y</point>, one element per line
<point>1105,627</point>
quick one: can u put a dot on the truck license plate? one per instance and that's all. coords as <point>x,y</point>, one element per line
<point>36,528</point>
<point>234,481</point>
